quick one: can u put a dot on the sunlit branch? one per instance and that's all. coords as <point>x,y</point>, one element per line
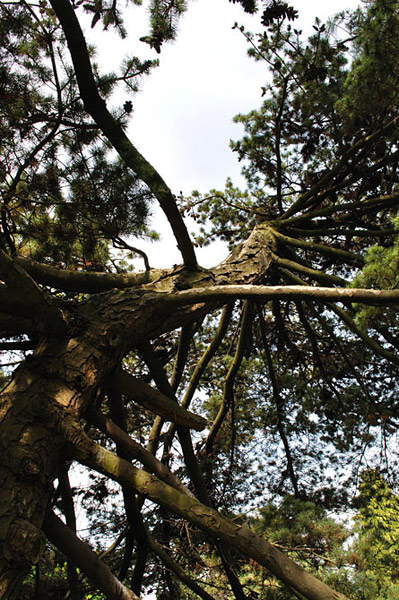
<point>320,276</point>
<point>223,293</point>
<point>120,243</point>
<point>336,253</point>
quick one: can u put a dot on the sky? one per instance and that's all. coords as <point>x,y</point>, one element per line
<point>183,116</point>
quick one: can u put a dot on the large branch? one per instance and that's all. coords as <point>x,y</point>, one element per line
<point>211,521</point>
<point>86,559</point>
<point>85,281</point>
<point>110,127</point>
<point>223,293</point>
<point>156,401</point>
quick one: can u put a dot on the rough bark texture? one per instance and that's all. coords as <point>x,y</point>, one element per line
<point>62,377</point>
<point>41,408</point>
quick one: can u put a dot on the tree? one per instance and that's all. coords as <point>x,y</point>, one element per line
<point>373,551</point>
<point>273,346</point>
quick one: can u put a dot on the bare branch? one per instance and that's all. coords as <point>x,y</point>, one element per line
<point>223,293</point>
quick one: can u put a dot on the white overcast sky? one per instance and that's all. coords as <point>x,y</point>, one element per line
<point>182,119</point>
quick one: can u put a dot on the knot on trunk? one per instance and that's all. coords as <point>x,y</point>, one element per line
<point>24,543</point>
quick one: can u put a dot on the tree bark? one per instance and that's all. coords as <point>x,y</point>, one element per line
<point>51,391</point>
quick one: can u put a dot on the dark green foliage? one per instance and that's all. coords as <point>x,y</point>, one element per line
<point>277,10</point>
<point>64,197</point>
<point>248,5</point>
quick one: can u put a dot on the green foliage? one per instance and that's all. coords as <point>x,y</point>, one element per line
<point>374,551</point>
<point>376,59</point>
<point>64,197</point>
<point>380,272</point>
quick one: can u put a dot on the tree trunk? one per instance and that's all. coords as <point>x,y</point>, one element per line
<point>50,392</point>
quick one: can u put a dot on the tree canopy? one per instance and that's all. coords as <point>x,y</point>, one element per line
<point>219,417</point>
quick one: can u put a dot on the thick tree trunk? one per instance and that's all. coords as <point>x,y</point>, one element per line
<point>62,377</point>
<point>50,392</point>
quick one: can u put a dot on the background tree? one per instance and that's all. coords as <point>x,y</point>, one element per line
<point>270,382</point>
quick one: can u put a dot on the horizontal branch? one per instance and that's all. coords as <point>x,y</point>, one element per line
<point>223,293</point>
<point>85,281</point>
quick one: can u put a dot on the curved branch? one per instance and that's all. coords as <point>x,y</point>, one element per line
<point>110,127</point>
